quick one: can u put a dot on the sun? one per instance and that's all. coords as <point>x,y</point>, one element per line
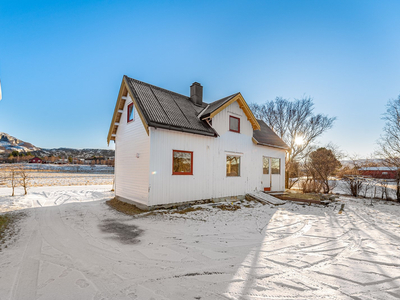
<point>299,140</point>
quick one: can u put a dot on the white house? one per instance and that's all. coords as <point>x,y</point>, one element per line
<point>171,148</point>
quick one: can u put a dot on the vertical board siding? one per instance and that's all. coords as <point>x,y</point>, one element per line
<point>132,172</point>
<point>209,162</point>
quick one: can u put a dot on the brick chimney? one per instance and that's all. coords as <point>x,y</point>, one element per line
<point>196,93</point>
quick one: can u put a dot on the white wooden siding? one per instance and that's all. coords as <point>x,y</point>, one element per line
<point>220,122</point>
<point>132,172</point>
<point>209,162</point>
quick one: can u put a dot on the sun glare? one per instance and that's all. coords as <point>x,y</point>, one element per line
<point>299,140</point>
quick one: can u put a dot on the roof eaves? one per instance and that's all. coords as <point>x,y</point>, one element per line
<point>135,97</point>
<point>269,145</point>
<point>182,129</point>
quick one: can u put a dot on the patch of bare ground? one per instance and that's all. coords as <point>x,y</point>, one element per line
<point>229,207</point>
<point>187,210</point>
<point>8,227</point>
<point>126,208</point>
<point>132,210</point>
<point>307,197</point>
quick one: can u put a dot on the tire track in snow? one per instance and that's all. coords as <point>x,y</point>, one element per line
<point>25,283</point>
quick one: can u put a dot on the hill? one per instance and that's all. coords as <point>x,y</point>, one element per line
<point>9,144</point>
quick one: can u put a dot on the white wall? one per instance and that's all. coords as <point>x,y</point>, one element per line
<point>209,162</point>
<point>132,173</point>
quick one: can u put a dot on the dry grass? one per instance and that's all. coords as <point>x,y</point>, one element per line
<point>7,228</point>
<point>307,196</point>
<point>5,221</point>
<point>126,208</point>
<point>131,210</point>
<point>187,210</point>
<point>228,207</point>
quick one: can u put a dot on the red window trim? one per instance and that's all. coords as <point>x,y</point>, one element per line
<point>127,113</point>
<point>238,131</point>
<point>191,163</point>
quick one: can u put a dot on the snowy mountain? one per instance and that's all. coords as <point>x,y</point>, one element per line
<point>9,143</point>
<point>78,153</point>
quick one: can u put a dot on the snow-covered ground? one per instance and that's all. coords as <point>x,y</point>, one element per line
<point>73,246</point>
<point>63,175</point>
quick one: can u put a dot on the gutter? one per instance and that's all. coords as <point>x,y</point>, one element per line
<point>168,127</point>
<point>269,145</point>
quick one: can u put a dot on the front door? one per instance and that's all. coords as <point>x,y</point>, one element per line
<point>266,175</point>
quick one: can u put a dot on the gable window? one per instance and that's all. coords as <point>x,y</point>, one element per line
<point>234,124</point>
<point>131,112</point>
<point>265,165</point>
<point>182,162</point>
<point>275,166</point>
<point>232,166</point>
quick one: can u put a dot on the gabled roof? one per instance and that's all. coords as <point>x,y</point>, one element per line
<point>163,107</point>
<point>160,108</point>
<point>377,169</point>
<point>267,137</point>
<point>217,106</point>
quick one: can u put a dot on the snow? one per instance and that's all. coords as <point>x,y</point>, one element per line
<point>73,246</point>
<point>66,175</point>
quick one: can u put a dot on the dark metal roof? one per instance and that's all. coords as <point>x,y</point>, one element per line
<point>165,109</point>
<point>217,104</point>
<point>267,137</point>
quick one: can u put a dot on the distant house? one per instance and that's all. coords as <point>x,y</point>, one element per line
<point>61,161</point>
<point>36,160</point>
<point>379,172</point>
<point>171,148</point>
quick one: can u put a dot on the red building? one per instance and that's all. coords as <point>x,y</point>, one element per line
<point>35,160</point>
<point>379,172</point>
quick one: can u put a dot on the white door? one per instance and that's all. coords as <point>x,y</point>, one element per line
<point>266,175</point>
<point>275,171</point>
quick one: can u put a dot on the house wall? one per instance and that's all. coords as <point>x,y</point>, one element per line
<point>132,172</point>
<point>382,174</point>
<point>209,178</point>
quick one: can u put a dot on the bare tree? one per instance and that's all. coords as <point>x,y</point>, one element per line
<point>389,141</point>
<point>3,176</point>
<point>321,164</point>
<point>293,121</point>
<point>13,178</point>
<point>354,181</point>
<point>25,178</point>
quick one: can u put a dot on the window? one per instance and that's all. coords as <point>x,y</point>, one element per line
<point>182,163</point>
<point>131,112</point>
<point>234,124</point>
<point>232,166</point>
<point>265,165</point>
<point>275,166</point>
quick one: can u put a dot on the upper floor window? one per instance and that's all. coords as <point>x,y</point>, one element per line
<point>131,112</point>
<point>182,162</point>
<point>234,124</point>
<point>232,165</point>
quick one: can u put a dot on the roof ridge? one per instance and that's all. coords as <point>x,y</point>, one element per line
<point>156,87</point>
<point>225,97</point>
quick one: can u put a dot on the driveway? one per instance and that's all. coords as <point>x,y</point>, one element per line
<point>71,245</point>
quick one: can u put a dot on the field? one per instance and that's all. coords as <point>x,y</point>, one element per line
<point>63,175</point>
<point>72,245</point>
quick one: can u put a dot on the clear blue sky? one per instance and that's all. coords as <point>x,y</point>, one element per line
<point>62,62</point>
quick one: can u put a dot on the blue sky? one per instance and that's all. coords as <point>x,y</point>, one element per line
<point>62,62</point>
